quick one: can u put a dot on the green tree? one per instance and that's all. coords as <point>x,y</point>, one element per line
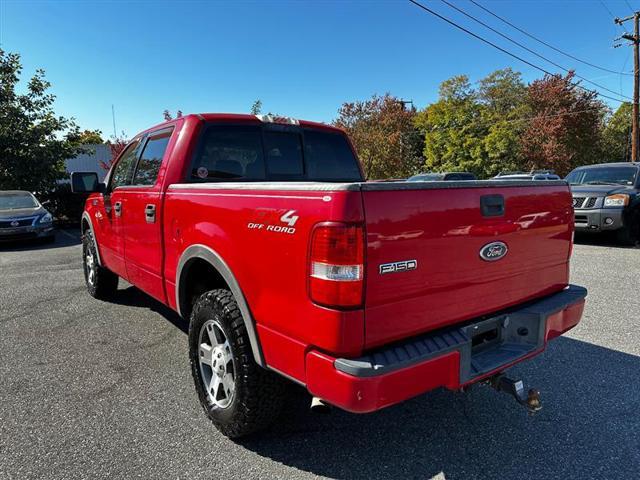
<point>383,133</point>
<point>475,130</point>
<point>256,107</point>
<point>87,137</point>
<point>34,142</point>
<point>617,135</point>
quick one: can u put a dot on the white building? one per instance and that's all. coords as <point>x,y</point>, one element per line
<point>90,162</point>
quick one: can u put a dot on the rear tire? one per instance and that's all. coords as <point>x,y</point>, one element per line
<point>101,283</point>
<point>238,395</point>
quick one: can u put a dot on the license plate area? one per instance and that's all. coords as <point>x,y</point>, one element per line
<point>485,338</point>
<point>499,341</point>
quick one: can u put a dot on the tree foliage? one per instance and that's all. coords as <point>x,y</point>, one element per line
<point>383,133</point>
<point>116,145</point>
<point>617,135</point>
<point>566,127</point>
<point>87,137</point>
<point>256,107</point>
<point>34,142</point>
<point>475,129</point>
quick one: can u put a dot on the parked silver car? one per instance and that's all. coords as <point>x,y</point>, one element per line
<point>22,217</point>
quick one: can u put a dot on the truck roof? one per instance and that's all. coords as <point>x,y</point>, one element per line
<point>246,118</point>
<point>612,164</point>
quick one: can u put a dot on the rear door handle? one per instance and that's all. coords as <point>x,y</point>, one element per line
<point>117,207</point>
<point>150,213</point>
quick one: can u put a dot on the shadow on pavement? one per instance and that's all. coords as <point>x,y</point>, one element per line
<point>603,239</point>
<point>63,238</point>
<point>587,428</point>
<point>133,297</point>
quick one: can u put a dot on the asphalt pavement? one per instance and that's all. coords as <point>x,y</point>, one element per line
<point>90,389</point>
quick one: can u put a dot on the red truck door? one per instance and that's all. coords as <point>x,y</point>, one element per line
<point>109,216</point>
<point>142,226</point>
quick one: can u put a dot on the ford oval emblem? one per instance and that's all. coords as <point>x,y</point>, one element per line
<point>15,223</point>
<point>493,251</point>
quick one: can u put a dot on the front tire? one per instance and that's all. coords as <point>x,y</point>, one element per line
<point>237,395</point>
<point>629,234</point>
<point>101,283</point>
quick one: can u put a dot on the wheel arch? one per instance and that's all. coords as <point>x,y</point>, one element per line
<point>85,224</point>
<point>191,262</point>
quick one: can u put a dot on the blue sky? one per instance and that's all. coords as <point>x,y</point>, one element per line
<point>301,59</point>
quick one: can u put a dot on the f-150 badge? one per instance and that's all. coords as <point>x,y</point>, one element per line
<point>397,267</point>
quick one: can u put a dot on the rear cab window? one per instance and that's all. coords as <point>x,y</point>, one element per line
<point>227,153</point>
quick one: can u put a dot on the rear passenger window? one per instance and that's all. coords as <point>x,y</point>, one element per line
<point>229,153</point>
<point>284,155</point>
<point>151,158</point>
<point>123,170</point>
<point>329,157</point>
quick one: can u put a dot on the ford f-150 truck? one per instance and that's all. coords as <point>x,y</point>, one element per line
<point>263,233</point>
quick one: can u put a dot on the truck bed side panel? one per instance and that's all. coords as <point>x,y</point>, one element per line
<point>268,257</point>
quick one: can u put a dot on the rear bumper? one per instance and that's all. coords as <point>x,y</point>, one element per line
<point>449,358</point>
<point>597,220</point>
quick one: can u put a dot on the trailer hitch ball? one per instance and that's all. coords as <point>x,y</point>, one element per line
<point>515,388</point>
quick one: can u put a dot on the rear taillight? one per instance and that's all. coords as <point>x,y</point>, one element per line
<point>336,270</point>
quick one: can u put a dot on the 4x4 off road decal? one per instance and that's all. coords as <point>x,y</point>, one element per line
<point>274,220</point>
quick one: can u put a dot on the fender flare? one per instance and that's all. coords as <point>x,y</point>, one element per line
<point>87,217</point>
<point>217,262</point>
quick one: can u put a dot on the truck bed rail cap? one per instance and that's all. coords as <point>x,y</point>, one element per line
<point>369,186</point>
<point>308,186</point>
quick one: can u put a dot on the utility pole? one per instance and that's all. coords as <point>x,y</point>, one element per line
<point>635,40</point>
<point>404,103</point>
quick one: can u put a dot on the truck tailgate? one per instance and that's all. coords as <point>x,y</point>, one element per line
<point>439,231</point>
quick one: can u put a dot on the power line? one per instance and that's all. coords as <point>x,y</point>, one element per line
<point>604,5</point>
<point>630,7</point>
<point>546,43</point>
<point>506,37</point>
<point>497,47</point>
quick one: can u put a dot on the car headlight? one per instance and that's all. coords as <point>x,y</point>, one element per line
<point>618,200</point>
<point>46,218</point>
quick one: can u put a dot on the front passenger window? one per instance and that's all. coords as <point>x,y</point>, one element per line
<point>151,158</point>
<point>123,171</point>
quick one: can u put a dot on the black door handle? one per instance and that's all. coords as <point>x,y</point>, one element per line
<point>150,213</point>
<point>117,207</point>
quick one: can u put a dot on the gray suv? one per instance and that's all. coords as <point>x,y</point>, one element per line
<point>606,197</point>
<point>22,217</point>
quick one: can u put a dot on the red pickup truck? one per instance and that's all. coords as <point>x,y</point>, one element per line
<point>263,233</point>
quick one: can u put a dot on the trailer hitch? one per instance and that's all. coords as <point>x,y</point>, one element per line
<point>515,388</point>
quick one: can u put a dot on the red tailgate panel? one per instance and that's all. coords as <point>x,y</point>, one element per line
<point>444,231</point>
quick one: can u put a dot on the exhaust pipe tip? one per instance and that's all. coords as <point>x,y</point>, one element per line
<point>319,406</point>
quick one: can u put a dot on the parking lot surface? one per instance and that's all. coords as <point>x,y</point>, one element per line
<point>90,389</point>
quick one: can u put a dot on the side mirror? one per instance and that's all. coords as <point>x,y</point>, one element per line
<point>86,182</point>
